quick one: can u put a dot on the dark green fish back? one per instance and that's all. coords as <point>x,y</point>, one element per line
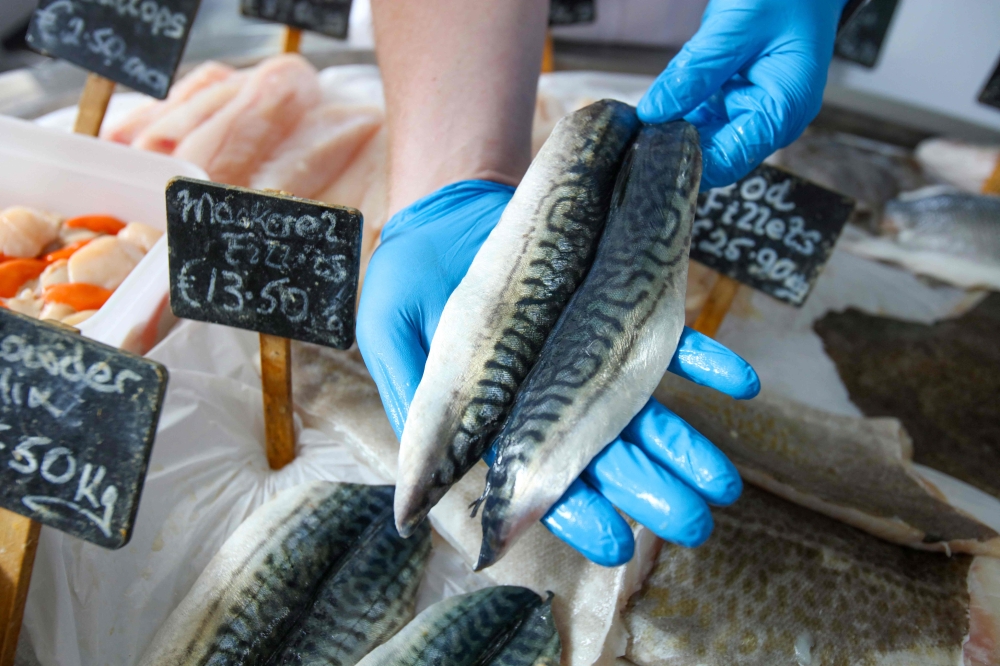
<point>573,211</point>
<point>363,602</point>
<point>534,643</point>
<point>324,533</point>
<point>641,257</point>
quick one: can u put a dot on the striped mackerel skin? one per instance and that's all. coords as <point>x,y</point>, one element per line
<point>496,321</point>
<point>496,626</point>
<point>612,343</point>
<point>318,549</point>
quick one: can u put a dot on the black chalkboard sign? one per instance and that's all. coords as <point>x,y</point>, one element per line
<point>861,38</point>
<point>771,230</point>
<point>991,91</point>
<point>568,12</point>
<point>77,421</point>
<point>328,17</point>
<point>137,43</point>
<point>264,262</point>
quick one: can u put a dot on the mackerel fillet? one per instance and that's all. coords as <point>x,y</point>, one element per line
<point>496,321</point>
<point>317,575</point>
<point>611,345</point>
<point>497,626</point>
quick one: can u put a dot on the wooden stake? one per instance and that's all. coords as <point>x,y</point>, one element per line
<point>93,104</point>
<point>276,378</point>
<point>291,40</point>
<point>715,308</point>
<point>18,543</point>
<point>548,54</point>
<point>992,184</point>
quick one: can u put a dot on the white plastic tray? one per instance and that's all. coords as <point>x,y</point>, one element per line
<point>73,175</point>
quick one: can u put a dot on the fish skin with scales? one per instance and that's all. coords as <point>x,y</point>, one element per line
<point>504,625</point>
<point>948,221</point>
<point>497,319</point>
<point>314,551</point>
<point>612,343</point>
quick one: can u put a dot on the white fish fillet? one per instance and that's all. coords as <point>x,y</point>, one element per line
<point>166,132</point>
<point>334,393</point>
<point>232,144</point>
<point>202,76</point>
<point>964,165</point>
<point>322,147</point>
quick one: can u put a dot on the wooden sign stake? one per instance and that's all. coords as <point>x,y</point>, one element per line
<point>18,543</point>
<point>276,380</point>
<point>714,311</point>
<point>992,184</point>
<point>93,104</point>
<point>291,40</point>
<point>548,54</point>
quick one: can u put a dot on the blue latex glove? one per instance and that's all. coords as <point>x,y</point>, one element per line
<point>750,80</point>
<point>660,471</point>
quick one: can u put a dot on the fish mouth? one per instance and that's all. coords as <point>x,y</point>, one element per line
<point>411,508</point>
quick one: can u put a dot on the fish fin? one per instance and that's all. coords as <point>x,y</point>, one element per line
<point>482,498</point>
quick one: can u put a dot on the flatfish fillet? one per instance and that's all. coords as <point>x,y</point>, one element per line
<point>335,394</point>
<point>496,626</point>
<point>779,584</point>
<point>495,322</point>
<point>312,576</point>
<point>612,344</point>
<point>852,469</point>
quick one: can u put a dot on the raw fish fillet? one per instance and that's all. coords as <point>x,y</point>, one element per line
<point>779,584</point>
<point>166,132</point>
<point>612,343</point>
<point>201,77</point>
<point>233,143</point>
<point>334,393</point>
<point>964,165</point>
<point>497,319</point>
<point>852,469</point>
<point>321,148</point>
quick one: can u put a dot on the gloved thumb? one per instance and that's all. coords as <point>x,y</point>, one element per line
<point>716,52</point>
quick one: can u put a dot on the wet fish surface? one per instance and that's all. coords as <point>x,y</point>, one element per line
<point>496,320</point>
<point>497,626</point>
<point>611,345</point>
<point>946,220</point>
<point>312,576</point>
<point>941,381</point>
<point>779,584</point>
<point>855,470</point>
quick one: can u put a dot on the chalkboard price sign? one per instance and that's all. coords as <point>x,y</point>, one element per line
<point>991,91</point>
<point>137,43</point>
<point>327,17</point>
<point>77,421</point>
<point>269,263</point>
<point>771,230</point>
<point>569,12</point>
<point>861,38</point>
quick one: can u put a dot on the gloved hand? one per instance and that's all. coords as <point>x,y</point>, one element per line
<point>660,471</point>
<point>750,80</point>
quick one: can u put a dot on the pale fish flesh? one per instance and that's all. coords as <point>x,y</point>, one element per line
<point>496,320</point>
<point>317,575</point>
<point>612,344</point>
<point>857,470</point>
<point>779,584</point>
<point>335,394</point>
<point>964,165</point>
<point>947,221</point>
<point>496,626</point>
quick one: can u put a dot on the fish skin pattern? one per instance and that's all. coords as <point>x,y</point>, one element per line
<point>504,625</point>
<point>495,323</point>
<point>612,343</point>
<point>264,580</point>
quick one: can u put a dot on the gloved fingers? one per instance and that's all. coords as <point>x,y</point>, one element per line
<point>671,442</point>
<point>720,48</point>
<point>588,522</point>
<point>650,494</point>
<point>704,361</point>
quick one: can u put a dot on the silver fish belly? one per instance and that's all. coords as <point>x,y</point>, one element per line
<point>498,626</point>
<point>612,344</point>
<point>497,319</point>
<point>951,222</point>
<point>289,554</point>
